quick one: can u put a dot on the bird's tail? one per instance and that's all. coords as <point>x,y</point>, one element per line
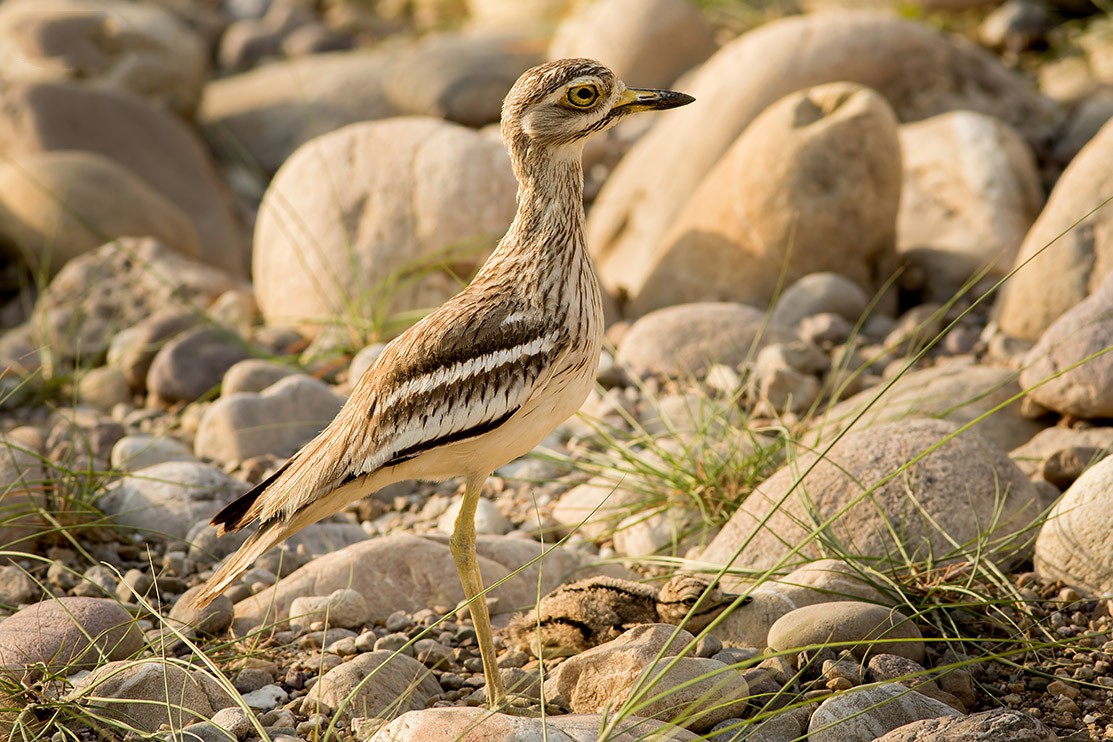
<point>269,534</point>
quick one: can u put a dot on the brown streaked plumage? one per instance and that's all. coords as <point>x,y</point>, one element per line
<point>482,379</point>
<point>593,611</point>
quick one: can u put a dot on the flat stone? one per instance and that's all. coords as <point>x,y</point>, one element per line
<point>450,724</point>
<point>254,375</point>
<point>686,340</point>
<point>277,421</point>
<point>411,573</point>
<point>848,625</point>
<point>489,520</point>
<point>134,452</point>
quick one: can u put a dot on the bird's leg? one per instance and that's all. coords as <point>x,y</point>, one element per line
<point>462,544</point>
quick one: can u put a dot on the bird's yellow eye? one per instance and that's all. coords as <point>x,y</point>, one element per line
<point>582,96</point>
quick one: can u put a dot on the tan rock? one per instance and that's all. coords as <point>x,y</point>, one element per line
<point>1051,441</point>
<point>971,191</point>
<point>66,634</point>
<point>55,206</point>
<point>153,143</point>
<point>812,185</point>
<point>654,182</point>
<point>140,49</point>
<point>360,209</point>
<point>1070,369</point>
<point>461,77</point>
<point>151,694</point>
<point>962,498</point>
<point>1067,253</point>
<point>649,43</point>
<point>1075,543</point>
<point>271,111</point>
<point>863,628</point>
<point>603,677</point>
<point>516,15</point>
<point>956,391</point>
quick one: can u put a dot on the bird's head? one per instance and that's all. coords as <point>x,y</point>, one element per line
<point>694,599</point>
<point>562,102</point>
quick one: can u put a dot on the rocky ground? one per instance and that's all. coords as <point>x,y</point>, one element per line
<point>858,320</point>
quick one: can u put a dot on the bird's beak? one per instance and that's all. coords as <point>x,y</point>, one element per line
<point>637,99</point>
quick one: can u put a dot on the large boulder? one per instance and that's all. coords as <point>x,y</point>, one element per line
<point>269,112</point>
<point>971,191</point>
<point>894,57</point>
<point>956,391</point>
<point>368,215</point>
<point>151,142</point>
<point>812,185</point>
<point>55,206</point>
<point>896,493</point>
<point>123,46</point>
<point>1068,252</point>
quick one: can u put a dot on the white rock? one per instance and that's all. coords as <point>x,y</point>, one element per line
<point>134,452</point>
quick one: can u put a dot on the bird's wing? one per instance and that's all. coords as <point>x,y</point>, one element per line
<point>453,376</point>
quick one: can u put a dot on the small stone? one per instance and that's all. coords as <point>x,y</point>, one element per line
<point>134,452</point>
<point>16,587</point>
<point>103,388</point>
<point>394,643</point>
<point>265,698</point>
<point>234,719</point>
<point>488,518</point>
<point>342,608</point>
<point>192,365</point>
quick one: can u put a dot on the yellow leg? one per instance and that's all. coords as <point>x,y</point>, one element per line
<point>467,565</point>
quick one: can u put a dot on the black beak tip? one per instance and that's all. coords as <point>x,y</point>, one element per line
<point>675,100</point>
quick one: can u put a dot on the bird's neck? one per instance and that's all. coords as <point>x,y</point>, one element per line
<point>547,235</point>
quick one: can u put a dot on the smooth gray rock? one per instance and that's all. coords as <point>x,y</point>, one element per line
<point>191,366</point>
<point>869,712</point>
<point>278,421</point>
<point>398,683</point>
<point>849,625</point>
<point>168,498</point>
